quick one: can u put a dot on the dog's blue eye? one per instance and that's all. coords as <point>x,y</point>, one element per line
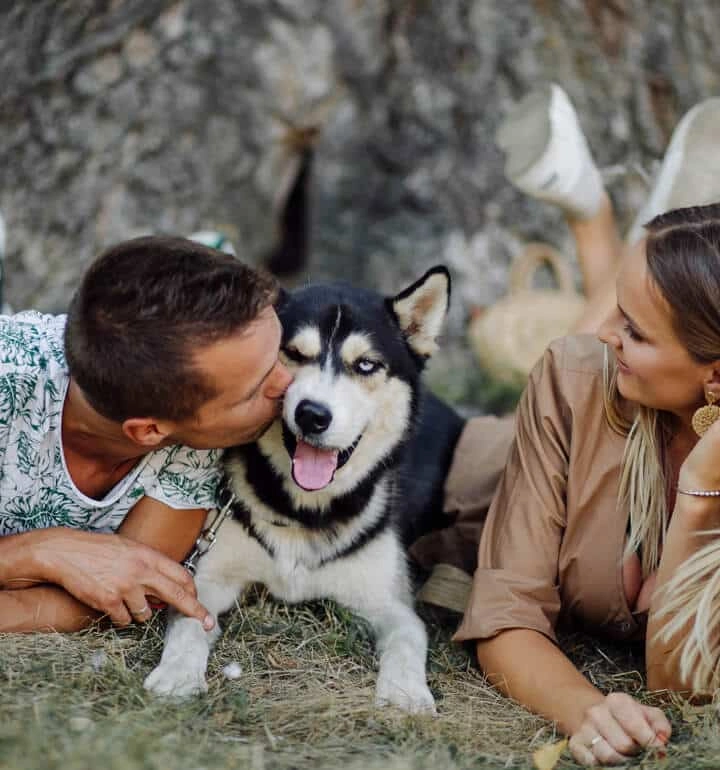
<point>366,366</point>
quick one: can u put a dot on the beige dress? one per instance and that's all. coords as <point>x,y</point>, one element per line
<point>552,542</point>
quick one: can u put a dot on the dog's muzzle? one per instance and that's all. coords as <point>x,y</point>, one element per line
<point>312,417</point>
<point>314,466</point>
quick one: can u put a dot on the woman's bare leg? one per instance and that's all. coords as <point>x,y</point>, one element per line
<point>689,176</point>
<point>547,157</point>
<point>599,251</point>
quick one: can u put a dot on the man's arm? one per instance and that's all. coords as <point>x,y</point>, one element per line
<point>100,574</point>
<point>166,529</point>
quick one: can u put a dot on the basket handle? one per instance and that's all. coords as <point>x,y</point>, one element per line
<point>535,254</point>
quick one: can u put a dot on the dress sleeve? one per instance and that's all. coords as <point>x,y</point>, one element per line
<point>516,582</point>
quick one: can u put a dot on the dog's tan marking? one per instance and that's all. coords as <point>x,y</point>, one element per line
<point>356,346</point>
<point>306,341</point>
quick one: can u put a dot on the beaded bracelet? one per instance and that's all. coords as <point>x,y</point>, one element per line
<point>699,492</point>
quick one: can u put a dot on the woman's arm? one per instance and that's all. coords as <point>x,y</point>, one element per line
<point>528,667</point>
<point>691,517</point>
<point>101,574</point>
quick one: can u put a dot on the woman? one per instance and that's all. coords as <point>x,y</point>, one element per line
<point>603,511</point>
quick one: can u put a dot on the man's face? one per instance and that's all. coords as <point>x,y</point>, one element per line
<point>250,382</point>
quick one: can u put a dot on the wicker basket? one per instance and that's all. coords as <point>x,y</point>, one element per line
<point>510,336</point>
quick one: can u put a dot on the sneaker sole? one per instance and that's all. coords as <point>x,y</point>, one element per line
<point>688,148</point>
<point>525,132</point>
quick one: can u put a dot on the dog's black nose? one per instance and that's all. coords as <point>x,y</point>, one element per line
<point>312,417</point>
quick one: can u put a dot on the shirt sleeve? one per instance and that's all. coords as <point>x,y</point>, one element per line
<point>516,583</point>
<point>28,394</point>
<point>187,478</point>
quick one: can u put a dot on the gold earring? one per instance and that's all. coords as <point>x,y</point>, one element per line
<point>706,415</point>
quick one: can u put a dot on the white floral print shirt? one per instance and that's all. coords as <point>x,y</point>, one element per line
<point>36,490</point>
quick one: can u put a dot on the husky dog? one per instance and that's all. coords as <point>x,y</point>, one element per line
<point>327,500</point>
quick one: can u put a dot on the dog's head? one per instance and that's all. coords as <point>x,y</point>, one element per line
<point>356,357</point>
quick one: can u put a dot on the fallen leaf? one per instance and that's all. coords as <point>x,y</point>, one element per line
<point>547,756</point>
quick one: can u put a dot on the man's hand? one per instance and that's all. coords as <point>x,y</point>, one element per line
<point>110,573</point>
<point>617,728</point>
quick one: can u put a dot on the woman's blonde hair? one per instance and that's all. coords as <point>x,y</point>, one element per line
<point>683,261</point>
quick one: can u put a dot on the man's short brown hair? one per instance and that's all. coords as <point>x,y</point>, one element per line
<point>142,309</point>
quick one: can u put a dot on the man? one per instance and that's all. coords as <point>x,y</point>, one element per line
<point>110,425</point>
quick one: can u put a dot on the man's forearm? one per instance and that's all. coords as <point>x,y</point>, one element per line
<point>112,573</point>
<point>43,608</point>
<point>18,566</point>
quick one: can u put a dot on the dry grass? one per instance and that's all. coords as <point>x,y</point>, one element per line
<point>304,700</point>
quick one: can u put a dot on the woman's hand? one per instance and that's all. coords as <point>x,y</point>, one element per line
<point>617,728</point>
<point>701,469</point>
<point>110,573</point>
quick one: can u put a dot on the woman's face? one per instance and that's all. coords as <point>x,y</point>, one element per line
<point>654,368</point>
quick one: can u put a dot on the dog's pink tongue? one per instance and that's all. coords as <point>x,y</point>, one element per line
<point>313,468</point>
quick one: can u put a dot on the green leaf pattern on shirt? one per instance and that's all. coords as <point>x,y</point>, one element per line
<point>35,489</point>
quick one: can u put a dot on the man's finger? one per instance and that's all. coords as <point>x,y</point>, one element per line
<point>106,601</point>
<point>176,596</point>
<point>138,606</point>
<point>117,612</point>
<point>174,572</point>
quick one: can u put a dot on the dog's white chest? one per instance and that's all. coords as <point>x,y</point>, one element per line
<point>290,579</point>
<point>287,564</point>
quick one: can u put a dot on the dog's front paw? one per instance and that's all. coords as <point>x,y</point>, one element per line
<point>172,679</point>
<point>408,694</point>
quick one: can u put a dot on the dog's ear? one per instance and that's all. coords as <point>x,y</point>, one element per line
<point>281,299</point>
<point>420,310</point>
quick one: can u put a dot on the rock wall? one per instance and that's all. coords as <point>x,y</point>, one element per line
<point>348,138</point>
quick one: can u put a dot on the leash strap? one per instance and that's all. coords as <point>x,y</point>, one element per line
<point>207,538</point>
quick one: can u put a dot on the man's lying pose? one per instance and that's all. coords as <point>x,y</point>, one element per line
<point>110,424</point>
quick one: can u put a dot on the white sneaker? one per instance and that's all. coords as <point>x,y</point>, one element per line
<point>215,240</point>
<point>547,155</point>
<point>690,171</point>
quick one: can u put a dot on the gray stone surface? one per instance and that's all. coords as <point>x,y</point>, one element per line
<point>121,117</point>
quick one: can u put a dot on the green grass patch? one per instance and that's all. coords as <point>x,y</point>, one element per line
<point>304,700</point>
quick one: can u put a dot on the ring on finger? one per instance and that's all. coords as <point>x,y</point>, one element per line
<point>595,740</point>
<point>141,611</point>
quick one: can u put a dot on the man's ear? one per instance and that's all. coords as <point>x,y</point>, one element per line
<point>146,431</point>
